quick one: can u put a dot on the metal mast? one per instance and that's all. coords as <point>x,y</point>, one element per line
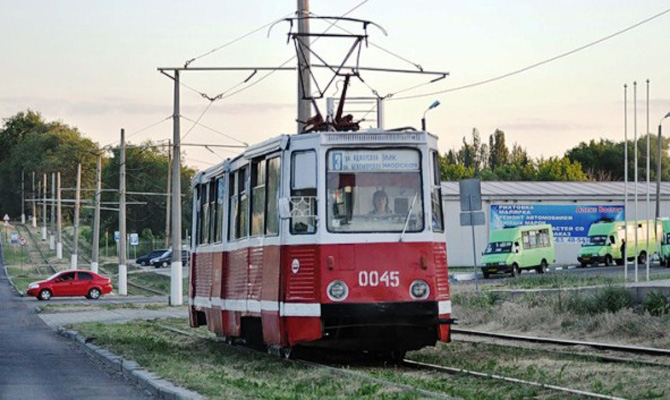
<point>304,104</point>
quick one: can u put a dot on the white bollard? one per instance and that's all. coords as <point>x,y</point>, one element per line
<point>59,251</point>
<point>52,242</point>
<point>123,280</point>
<point>94,267</point>
<point>176,284</point>
<point>73,262</point>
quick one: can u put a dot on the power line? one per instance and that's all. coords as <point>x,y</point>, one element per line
<point>214,130</point>
<point>140,130</point>
<point>547,61</point>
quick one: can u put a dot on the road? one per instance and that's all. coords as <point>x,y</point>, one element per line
<point>36,363</point>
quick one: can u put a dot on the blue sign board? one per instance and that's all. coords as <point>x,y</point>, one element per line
<point>570,222</point>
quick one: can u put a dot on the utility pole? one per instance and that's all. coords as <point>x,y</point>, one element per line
<point>34,196</point>
<point>304,63</point>
<point>167,203</point>
<point>23,197</point>
<point>52,226</point>
<point>123,271</point>
<point>59,223</point>
<point>44,209</point>
<point>96,216</point>
<point>75,239</point>
<point>175,268</point>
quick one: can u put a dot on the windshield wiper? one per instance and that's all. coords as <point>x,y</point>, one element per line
<point>408,215</point>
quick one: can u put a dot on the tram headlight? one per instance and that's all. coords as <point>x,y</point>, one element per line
<point>337,291</point>
<point>419,290</point>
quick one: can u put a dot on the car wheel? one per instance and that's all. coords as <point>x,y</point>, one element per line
<point>165,264</point>
<point>94,294</point>
<point>44,295</point>
<point>608,260</point>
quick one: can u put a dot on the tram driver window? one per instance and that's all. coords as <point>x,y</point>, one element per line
<point>303,192</point>
<point>374,190</point>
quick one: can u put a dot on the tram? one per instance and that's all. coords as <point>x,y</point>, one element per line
<point>328,239</point>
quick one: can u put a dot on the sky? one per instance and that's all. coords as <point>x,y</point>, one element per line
<point>93,65</point>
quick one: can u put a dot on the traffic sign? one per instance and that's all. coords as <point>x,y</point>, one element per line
<point>134,239</point>
<point>14,237</point>
<point>6,219</point>
<point>23,241</point>
<point>117,236</point>
<point>471,194</point>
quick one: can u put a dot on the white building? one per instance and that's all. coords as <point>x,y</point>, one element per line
<point>560,203</point>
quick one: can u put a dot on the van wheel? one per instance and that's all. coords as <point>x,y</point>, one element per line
<point>608,260</point>
<point>485,274</point>
<point>583,265</point>
<point>516,271</point>
<point>619,261</point>
<point>542,268</point>
<point>642,259</point>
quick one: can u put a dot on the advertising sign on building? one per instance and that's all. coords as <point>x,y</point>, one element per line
<point>570,222</point>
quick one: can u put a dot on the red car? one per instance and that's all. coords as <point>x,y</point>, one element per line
<point>71,283</point>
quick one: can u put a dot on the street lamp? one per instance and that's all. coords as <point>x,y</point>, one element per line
<point>423,119</point>
<point>658,169</point>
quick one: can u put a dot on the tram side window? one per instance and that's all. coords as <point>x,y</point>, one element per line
<point>243,220</point>
<point>213,222</point>
<point>303,192</point>
<point>233,210</point>
<point>220,193</point>
<point>272,188</point>
<point>198,210</point>
<point>204,201</point>
<point>436,195</point>
<point>257,197</point>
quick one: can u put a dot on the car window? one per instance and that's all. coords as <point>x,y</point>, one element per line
<point>68,276</point>
<point>85,276</point>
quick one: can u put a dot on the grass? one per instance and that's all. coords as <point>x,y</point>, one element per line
<point>150,280</point>
<point>221,372</point>
<point>13,254</point>
<point>567,280</point>
<point>64,308</point>
<point>24,276</point>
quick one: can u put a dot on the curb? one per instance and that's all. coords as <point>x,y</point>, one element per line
<point>152,383</point>
<point>11,282</point>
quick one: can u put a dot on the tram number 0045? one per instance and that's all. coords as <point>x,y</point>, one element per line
<point>374,278</point>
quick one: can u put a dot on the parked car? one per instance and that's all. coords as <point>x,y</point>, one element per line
<point>146,259</point>
<point>165,259</point>
<point>71,283</point>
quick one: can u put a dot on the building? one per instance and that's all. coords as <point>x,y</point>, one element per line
<point>569,206</point>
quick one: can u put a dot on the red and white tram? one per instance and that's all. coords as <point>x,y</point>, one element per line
<point>330,239</point>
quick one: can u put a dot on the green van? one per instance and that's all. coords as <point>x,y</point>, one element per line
<point>605,240</point>
<point>511,250</point>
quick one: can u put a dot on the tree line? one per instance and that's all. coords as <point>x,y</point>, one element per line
<point>601,160</point>
<point>29,143</point>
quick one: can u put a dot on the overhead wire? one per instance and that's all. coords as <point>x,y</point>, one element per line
<point>215,131</point>
<point>540,63</point>
<point>139,131</point>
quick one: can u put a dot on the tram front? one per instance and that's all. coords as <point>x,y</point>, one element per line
<point>380,252</point>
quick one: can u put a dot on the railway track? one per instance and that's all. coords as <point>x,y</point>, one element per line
<point>567,343</point>
<point>35,246</point>
<point>412,365</point>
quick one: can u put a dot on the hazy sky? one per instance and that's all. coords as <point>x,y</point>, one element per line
<point>92,64</point>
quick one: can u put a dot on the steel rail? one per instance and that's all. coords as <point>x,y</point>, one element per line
<point>566,342</point>
<point>37,246</point>
<point>452,370</point>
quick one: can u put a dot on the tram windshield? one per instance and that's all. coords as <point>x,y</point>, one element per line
<point>374,190</point>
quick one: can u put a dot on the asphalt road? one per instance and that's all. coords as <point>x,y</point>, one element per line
<point>36,363</point>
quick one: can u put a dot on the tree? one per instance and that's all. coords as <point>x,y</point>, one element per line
<point>499,154</point>
<point>559,169</point>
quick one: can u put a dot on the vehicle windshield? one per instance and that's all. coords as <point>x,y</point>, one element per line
<point>53,276</point>
<point>498,248</point>
<point>596,240</point>
<point>374,191</point>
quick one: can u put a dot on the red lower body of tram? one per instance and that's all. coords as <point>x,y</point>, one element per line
<point>375,297</point>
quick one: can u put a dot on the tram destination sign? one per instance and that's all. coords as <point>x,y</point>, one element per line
<point>385,160</point>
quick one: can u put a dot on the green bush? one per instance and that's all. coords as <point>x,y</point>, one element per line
<point>608,300</point>
<point>481,301</point>
<point>656,304</point>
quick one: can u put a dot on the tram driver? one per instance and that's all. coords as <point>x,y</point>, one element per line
<point>380,207</point>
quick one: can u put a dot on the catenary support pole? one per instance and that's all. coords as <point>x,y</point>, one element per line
<point>95,255</point>
<point>44,208</point>
<point>75,224</point>
<point>647,219</point>
<point>52,220</point>
<point>169,199</point>
<point>637,228</point>
<point>624,250</point>
<point>23,196</point>
<point>176,267</point>
<point>34,197</point>
<point>59,222</point>
<point>304,62</point>
<point>123,271</point>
